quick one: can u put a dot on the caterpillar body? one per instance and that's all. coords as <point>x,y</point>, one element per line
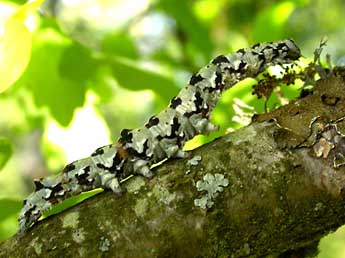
<point>163,136</point>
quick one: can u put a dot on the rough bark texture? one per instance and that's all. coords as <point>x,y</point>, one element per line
<point>280,197</point>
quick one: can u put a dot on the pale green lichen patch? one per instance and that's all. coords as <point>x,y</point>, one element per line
<point>78,236</point>
<point>247,135</point>
<point>212,185</point>
<point>246,249</point>
<point>71,220</point>
<point>194,161</point>
<point>204,202</point>
<point>163,195</point>
<point>104,244</point>
<point>37,246</point>
<point>140,207</point>
<point>134,185</point>
<point>82,251</point>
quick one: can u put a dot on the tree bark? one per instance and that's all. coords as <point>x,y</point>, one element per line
<point>273,188</point>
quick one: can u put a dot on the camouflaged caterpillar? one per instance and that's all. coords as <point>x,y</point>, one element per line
<point>163,136</point>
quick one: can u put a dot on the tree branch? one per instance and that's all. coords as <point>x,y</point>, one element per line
<point>279,195</point>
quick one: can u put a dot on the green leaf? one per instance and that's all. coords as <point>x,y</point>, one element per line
<point>76,63</point>
<point>133,77</point>
<point>9,207</point>
<point>60,92</point>
<point>101,86</point>
<point>209,10</point>
<point>19,2</point>
<point>119,44</point>
<point>70,202</point>
<point>5,151</point>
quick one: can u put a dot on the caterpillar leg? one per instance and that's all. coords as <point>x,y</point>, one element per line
<point>107,164</point>
<point>110,181</point>
<point>172,149</point>
<point>141,167</point>
<point>195,125</point>
<point>202,125</point>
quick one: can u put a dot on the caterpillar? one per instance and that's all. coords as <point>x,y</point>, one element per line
<point>162,137</point>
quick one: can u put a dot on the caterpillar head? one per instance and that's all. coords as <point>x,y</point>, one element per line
<point>293,52</point>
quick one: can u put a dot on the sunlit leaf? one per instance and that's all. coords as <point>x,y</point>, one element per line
<point>208,10</point>
<point>5,151</point>
<point>27,9</point>
<point>15,44</point>
<point>291,91</point>
<point>70,202</point>
<point>332,245</point>
<point>20,2</point>
<point>9,207</point>
<point>15,48</point>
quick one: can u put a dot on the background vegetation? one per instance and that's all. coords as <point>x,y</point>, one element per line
<point>74,73</point>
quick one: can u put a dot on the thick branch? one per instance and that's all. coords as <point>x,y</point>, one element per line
<point>279,197</point>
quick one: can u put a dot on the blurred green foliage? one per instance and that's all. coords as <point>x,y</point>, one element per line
<point>5,151</point>
<point>77,76</point>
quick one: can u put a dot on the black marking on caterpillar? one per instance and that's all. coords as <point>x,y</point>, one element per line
<point>195,79</point>
<point>126,135</point>
<point>152,121</point>
<point>174,103</point>
<point>99,151</point>
<point>68,168</point>
<point>163,136</point>
<point>220,59</point>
